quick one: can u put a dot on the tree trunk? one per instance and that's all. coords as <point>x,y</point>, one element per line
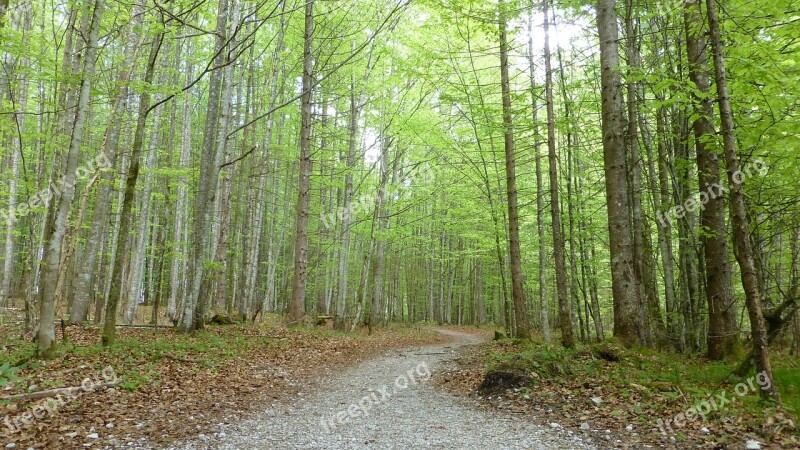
<point>522,329</point>
<point>136,272</point>
<point>564,306</point>
<point>85,287</point>
<point>539,187</point>
<point>723,339</point>
<point>178,265</point>
<point>480,303</point>
<point>643,249</point>
<point>624,277</point>
<point>381,224</point>
<point>194,304</point>
<point>741,228</point>
<point>674,327</point>
<point>347,211</point>
<point>126,211</point>
<point>54,236</point>
<point>297,303</point>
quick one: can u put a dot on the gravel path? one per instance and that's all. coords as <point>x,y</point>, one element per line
<point>388,403</point>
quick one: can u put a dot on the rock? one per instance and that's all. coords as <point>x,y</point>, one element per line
<point>597,401</point>
<point>11,445</point>
<point>752,445</point>
<point>629,427</point>
<point>705,430</point>
<point>221,319</point>
<point>501,379</point>
<point>109,425</point>
<point>584,426</point>
<point>92,436</point>
<point>555,425</point>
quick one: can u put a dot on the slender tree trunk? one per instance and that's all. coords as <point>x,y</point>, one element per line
<point>85,288</point>
<point>539,187</point>
<point>136,273</point>
<point>480,303</point>
<point>522,329</point>
<point>794,287</point>
<point>54,236</point>
<point>381,223</point>
<point>665,231</point>
<point>297,304</point>
<point>347,211</point>
<point>564,307</point>
<point>126,211</point>
<point>178,263</point>
<point>222,214</point>
<point>643,249</point>
<point>741,228</point>
<point>194,304</point>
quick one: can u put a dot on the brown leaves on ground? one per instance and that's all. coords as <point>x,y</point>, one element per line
<point>618,413</point>
<point>175,386</point>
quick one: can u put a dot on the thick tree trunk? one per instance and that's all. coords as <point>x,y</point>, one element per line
<point>741,228</point>
<point>54,236</point>
<point>628,304</point>
<point>297,303</point>
<point>522,330</point>
<point>723,339</point>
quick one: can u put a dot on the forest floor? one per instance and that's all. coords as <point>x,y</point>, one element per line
<point>627,399</point>
<point>167,387</point>
<point>266,386</point>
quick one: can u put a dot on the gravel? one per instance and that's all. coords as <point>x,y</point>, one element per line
<point>388,403</point>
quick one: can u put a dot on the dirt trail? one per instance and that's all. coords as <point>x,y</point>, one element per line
<point>388,403</point>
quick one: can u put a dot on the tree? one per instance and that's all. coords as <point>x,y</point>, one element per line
<point>723,338</point>
<point>126,210</point>
<point>565,311</point>
<point>297,303</point>
<point>740,223</point>
<point>624,278</point>
<point>54,234</point>
<point>522,329</point>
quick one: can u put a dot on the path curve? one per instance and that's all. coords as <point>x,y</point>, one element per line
<point>388,403</point>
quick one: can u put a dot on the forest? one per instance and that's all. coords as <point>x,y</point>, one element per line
<point>569,173</point>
